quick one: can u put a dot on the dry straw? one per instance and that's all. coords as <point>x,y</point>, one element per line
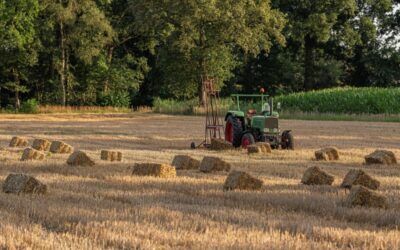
<point>359,177</point>
<point>265,147</point>
<point>315,176</point>
<point>362,196</point>
<point>30,154</point>
<point>254,149</point>
<point>381,157</point>
<point>18,142</point>
<point>20,183</point>
<point>212,164</point>
<point>185,162</point>
<point>327,154</point>
<point>242,181</point>
<point>59,147</point>
<point>41,144</point>
<point>80,158</point>
<point>220,145</point>
<point>107,155</point>
<point>154,169</point>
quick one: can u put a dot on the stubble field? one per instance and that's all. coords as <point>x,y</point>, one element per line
<point>106,207</point>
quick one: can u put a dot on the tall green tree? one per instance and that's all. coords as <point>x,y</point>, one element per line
<point>122,66</point>
<point>201,36</point>
<point>18,44</point>
<point>312,23</point>
<point>77,31</point>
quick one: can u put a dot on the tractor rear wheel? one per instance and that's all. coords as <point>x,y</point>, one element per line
<point>233,130</point>
<point>287,140</point>
<point>247,139</point>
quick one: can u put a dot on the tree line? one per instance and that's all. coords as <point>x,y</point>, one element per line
<point>126,52</point>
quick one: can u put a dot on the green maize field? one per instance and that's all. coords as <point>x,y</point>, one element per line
<point>344,101</point>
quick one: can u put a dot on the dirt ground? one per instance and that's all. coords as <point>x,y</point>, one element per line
<point>106,207</point>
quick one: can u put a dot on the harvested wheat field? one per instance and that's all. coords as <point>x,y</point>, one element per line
<point>106,206</point>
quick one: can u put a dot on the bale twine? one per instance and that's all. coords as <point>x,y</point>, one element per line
<point>362,196</point>
<point>17,141</point>
<point>31,154</point>
<point>185,162</point>
<point>327,154</point>
<point>41,144</point>
<point>20,183</point>
<point>213,164</point>
<point>80,158</point>
<point>154,169</point>
<point>315,176</point>
<point>358,177</point>
<point>220,145</point>
<point>107,155</point>
<point>381,157</point>
<point>59,147</point>
<point>242,181</point>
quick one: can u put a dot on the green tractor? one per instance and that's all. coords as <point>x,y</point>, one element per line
<point>243,129</point>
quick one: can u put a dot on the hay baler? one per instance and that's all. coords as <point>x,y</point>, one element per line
<point>243,129</point>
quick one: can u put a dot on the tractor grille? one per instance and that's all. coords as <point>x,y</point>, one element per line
<point>271,123</point>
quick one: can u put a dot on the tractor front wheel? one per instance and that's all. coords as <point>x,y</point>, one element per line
<point>247,139</point>
<point>287,140</point>
<point>233,130</point>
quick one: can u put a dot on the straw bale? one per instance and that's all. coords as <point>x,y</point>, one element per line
<point>59,147</point>
<point>20,183</point>
<point>80,158</point>
<point>185,162</point>
<point>41,144</point>
<point>327,154</point>
<point>358,177</point>
<point>17,141</point>
<point>107,155</point>
<point>220,145</point>
<point>265,147</point>
<point>316,176</point>
<point>212,164</point>
<point>254,149</point>
<point>30,154</point>
<point>362,196</point>
<point>155,170</point>
<point>381,157</point>
<point>242,181</point>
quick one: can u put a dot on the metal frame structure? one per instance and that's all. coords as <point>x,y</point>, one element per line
<point>214,121</point>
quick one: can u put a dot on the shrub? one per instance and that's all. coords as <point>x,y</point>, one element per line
<point>115,99</point>
<point>187,107</point>
<point>31,106</point>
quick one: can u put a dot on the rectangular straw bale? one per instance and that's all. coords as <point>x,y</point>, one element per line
<point>59,147</point>
<point>17,141</point>
<point>155,170</point>
<point>30,154</point>
<point>41,144</point>
<point>107,155</point>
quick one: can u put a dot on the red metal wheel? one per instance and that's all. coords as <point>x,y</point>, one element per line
<point>247,139</point>
<point>229,132</point>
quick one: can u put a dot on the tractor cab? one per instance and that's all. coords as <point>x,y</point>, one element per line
<point>247,127</point>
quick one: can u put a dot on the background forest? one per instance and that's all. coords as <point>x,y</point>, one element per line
<point>128,52</point>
